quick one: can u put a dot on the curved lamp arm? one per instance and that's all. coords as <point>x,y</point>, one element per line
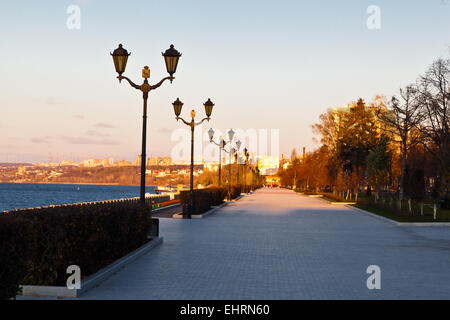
<point>217,144</point>
<point>226,150</point>
<point>185,122</point>
<point>201,121</point>
<point>161,82</point>
<point>134,85</point>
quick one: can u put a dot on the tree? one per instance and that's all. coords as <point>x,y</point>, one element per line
<point>415,168</point>
<point>434,89</point>
<point>357,136</point>
<point>294,155</point>
<point>328,130</point>
<point>401,118</point>
<point>378,164</point>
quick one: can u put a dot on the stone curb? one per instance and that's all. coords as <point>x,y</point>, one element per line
<point>201,216</point>
<point>210,211</point>
<point>93,280</point>
<point>401,224</point>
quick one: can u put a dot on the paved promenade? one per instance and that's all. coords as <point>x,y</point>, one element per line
<point>275,244</point>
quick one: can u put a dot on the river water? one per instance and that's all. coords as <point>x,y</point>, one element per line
<point>28,195</point>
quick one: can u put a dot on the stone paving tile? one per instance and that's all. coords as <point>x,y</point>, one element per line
<point>275,244</point>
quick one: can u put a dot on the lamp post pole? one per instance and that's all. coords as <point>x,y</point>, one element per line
<point>177,105</point>
<point>230,136</point>
<point>236,158</point>
<point>238,146</point>
<point>144,147</point>
<point>229,174</point>
<point>220,167</point>
<point>246,154</point>
<point>221,146</point>
<point>120,58</point>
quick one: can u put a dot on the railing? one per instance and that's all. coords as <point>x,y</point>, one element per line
<point>157,201</point>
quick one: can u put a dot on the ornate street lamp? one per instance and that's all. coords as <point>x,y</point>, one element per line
<point>238,146</point>
<point>120,58</point>
<point>208,107</point>
<point>177,106</point>
<point>230,153</point>
<point>171,57</point>
<point>221,145</point>
<point>246,155</point>
<point>231,134</point>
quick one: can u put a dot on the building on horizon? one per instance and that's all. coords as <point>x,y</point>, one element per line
<point>159,161</point>
<point>67,163</point>
<point>268,165</point>
<point>123,163</point>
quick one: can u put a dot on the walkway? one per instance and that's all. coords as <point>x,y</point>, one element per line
<point>276,244</point>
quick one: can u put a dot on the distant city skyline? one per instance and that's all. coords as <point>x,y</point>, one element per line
<point>265,65</point>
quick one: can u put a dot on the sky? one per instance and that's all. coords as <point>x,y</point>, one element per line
<point>269,66</point>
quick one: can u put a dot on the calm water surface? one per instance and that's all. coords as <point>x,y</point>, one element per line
<point>28,195</point>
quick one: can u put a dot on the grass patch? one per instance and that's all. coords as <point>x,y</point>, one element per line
<point>442,215</point>
<point>365,202</point>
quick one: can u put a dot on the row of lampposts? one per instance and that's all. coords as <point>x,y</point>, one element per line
<point>233,152</point>
<point>171,57</point>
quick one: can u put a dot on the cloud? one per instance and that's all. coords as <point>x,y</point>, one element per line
<point>7,146</point>
<point>53,102</point>
<point>84,140</point>
<point>79,116</point>
<point>97,133</point>
<point>41,139</point>
<point>103,125</point>
<point>164,130</point>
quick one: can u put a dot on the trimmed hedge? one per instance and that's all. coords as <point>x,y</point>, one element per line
<point>203,199</point>
<point>13,248</point>
<point>212,196</point>
<point>37,245</point>
<point>235,191</point>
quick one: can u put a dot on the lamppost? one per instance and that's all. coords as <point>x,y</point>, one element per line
<point>120,58</point>
<point>246,155</point>
<point>177,105</point>
<point>236,156</point>
<point>221,146</point>
<point>232,152</point>
<point>230,136</point>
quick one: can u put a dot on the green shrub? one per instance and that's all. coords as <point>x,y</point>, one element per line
<point>37,245</point>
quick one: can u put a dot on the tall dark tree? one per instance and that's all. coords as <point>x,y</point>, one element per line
<point>434,88</point>
<point>357,137</point>
<point>401,117</point>
<point>378,164</point>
